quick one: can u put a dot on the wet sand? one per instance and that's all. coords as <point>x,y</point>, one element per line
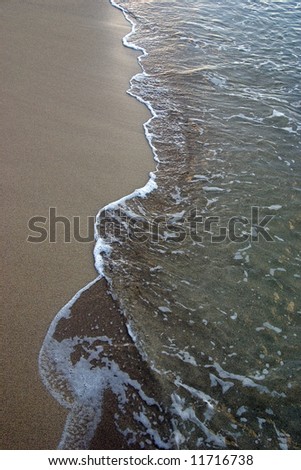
<point>71,139</point>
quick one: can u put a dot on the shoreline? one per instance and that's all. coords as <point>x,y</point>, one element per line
<point>74,325</point>
<point>53,115</point>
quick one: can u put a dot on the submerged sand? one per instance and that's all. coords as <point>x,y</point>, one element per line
<point>71,139</point>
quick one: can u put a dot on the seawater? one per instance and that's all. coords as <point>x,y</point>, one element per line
<point>205,260</point>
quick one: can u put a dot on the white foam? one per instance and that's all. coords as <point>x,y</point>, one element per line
<point>210,402</point>
<point>188,414</point>
<point>213,189</point>
<point>283,439</point>
<point>79,386</point>
<point>274,270</point>
<point>156,269</point>
<point>186,357</point>
<point>271,327</point>
<point>176,195</point>
<point>199,178</point>
<point>261,421</point>
<point>274,207</point>
<point>217,381</point>
<point>245,381</point>
<point>242,410</point>
<point>101,247</point>
<point>143,419</point>
<point>277,114</point>
<point>164,309</point>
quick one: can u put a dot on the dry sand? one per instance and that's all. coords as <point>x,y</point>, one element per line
<point>71,139</point>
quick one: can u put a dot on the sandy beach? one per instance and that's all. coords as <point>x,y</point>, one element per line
<point>72,139</point>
